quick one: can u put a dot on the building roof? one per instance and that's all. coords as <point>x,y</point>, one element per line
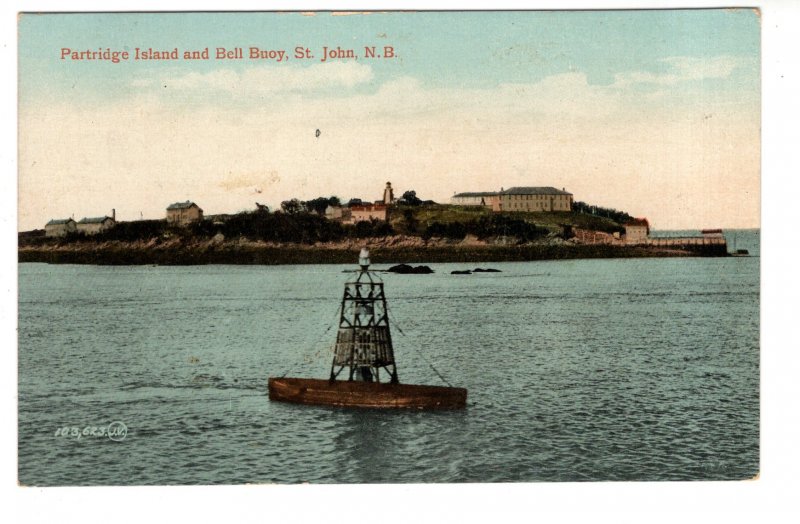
<point>711,231</point>
<point>638,222</point>
<point>93,220</point>
<point>527,190</point>
<point>182,205</point>
<point>482,194</point>
<point>59,221</point>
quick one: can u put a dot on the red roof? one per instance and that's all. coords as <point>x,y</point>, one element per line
<point>369,207</point>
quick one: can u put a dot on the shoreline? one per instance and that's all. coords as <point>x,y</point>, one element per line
<point>122,253</point>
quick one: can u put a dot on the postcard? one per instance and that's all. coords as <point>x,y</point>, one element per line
<point>388,247</point>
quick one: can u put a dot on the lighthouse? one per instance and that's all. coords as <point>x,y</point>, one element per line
<point>388,194</point>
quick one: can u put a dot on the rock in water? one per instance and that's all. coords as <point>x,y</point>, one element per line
<point>405,269</point>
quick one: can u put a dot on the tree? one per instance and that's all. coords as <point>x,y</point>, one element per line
<point>410,221</point>
<point>370,228</point>
<point>293,206</point>
<point>410,198</point>
<point>320,204</point>
<point>621,217</point>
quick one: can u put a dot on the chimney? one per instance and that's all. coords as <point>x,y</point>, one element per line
<point>114,215</point>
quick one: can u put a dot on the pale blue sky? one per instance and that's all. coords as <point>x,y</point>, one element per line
<point>442,49</point>
<point>653,112</point>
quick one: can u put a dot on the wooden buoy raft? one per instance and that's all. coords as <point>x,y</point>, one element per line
<point>362,356</point>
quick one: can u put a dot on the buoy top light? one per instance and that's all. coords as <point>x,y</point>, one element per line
<point>363,259</point>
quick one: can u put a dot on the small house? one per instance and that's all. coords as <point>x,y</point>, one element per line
<point>368,212</point>
<point>94,225</point>
<point>59,227</point>
<point>637,231</point>
<point>339,213</point>
<point>183,213</point>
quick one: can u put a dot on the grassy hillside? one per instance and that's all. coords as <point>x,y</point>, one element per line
<point>414,220</point>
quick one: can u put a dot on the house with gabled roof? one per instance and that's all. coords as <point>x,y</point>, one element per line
<point>59,227</point>
<point>183,213</point>
<point>94,225</point>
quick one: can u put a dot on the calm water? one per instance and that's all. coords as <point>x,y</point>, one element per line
<point>644,369</point>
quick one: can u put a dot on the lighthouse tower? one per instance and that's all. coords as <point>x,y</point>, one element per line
<point>388,194</point>
<point>364,343</point>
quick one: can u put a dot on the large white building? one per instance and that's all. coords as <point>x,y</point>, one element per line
<point>534,199</point>
<point>486,198</point>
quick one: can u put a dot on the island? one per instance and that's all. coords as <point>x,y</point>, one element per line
<point>397,231</point>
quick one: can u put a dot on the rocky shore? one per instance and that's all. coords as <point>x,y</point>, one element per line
<point>385,250</point>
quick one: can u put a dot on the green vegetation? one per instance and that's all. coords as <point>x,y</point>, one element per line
<point>157,242</point>
<point>296,224</point>
<point>317,205</point>
<point>123,232</point>
<point>300,224</point>
<point>299,227</point>
<point>621,217</point>
<point>443,220</point>
<point>412,220</point>
<point>132,231</point>
<point>498,225</point>
<point>410,198</point>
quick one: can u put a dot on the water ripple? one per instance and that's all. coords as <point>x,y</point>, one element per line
<point>576,371</point>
